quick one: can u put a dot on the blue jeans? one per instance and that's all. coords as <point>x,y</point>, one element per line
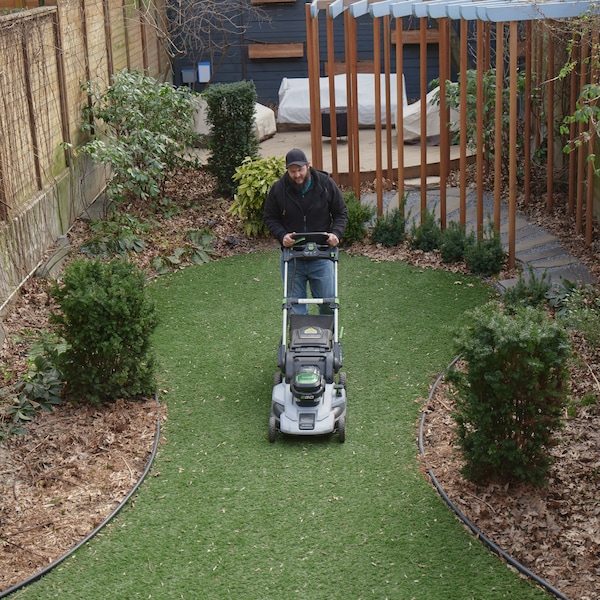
<point>318,274</point>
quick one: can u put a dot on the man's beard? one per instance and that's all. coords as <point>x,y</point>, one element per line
<point>299,187</point>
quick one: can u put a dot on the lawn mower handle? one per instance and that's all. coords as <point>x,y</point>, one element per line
<point>310,245</point>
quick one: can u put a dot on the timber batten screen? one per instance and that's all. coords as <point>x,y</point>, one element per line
<point>481,36</point>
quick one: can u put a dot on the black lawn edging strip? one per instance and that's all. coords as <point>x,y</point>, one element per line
<point>36,576</point>
<point>474,530</point>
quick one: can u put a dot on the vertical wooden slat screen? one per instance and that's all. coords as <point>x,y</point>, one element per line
<point>512,143</point>
<point>530,43</point>
<point>499,111</point>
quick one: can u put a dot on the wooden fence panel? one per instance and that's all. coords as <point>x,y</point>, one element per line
<point>17,147</point>
<point>47,54</point>
<point>72,37</point>
<point>44,89</point>
<point>134,35</point>
<point>97,49</point>
<point>118,34</point>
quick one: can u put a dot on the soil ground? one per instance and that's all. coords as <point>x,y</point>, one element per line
<point>76,465</point>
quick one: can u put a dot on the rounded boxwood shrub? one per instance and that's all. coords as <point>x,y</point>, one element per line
<point>107,320</point>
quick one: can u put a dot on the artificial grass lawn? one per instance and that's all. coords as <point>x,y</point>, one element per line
<point>226,514</point>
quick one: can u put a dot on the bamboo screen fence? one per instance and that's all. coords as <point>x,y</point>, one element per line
<point>46,55</point>
<point>510,37</point>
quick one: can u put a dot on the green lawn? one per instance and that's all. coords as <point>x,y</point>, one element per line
<point>226,514</point>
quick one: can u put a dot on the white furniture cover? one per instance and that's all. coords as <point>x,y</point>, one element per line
<point>294,99</point>
<point>294,104</point>
<point>411,114</point>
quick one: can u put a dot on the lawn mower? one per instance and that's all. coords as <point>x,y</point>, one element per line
<point>309,391</point>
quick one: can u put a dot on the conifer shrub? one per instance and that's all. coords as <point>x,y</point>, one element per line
<point>107,319</point>
<point>510,397</point>
<point>389,229</point>
<point>484,255</point>
<point>427,234</point>
<point>529,291</point>
<point>359,216</point>
<point>453,241</point>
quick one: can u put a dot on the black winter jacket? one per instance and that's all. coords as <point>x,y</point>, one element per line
<point>321,208</point>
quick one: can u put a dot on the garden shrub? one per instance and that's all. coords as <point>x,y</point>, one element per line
<point>254,178</point>
<point>427,234</point>
<point>359,216</point>
<point>581,311</point>
<point>484,255</point>
<point>142,130</point>
<point>389,229</point>
<point>230,109</point>
<point>510,397</point>
<point>528,292</point>
<point>453,241</point>
<point>107,319</point>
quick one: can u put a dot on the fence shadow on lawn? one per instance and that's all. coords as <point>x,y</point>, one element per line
<point>226,514</point>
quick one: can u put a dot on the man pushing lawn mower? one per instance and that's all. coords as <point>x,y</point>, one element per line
<point>306,199</point>
<point>306,212</point>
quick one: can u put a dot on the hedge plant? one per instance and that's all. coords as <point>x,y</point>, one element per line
<point>511,394</point>
<point>107,319</point>
<point>230,109</point>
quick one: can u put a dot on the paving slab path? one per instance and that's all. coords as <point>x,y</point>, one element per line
<point>534,246</point>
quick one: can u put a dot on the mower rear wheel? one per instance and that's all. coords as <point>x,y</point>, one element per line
<point>342,379</point>
<point>341,428</point>
<point>277,378</point>
<point>272,429</point>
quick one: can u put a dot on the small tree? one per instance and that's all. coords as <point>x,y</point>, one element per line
<point>107,320</point>
<point>510,397</point>
<point>142,131</point>
<point>230,111</point>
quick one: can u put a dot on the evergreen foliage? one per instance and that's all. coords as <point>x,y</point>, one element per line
<point>510,398</point>
<point>107,319</point>
<point>230,109</point>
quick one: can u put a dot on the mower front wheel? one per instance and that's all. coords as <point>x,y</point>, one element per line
<point>272,429</point>
<point>341,428</point>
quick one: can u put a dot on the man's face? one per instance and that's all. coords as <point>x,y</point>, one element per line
<point>298,173</point>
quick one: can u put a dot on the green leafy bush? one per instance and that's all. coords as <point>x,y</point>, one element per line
<point>254,178</point>
<point>142,130</point>
<point>359,216</point>
<point>427,234</point>
<point>116,235</point>
<point>453,241</point>
<point>510,397</point>
<point>197,251</point>
<point>528,292</point>
<point>107,320</point>
<point>230,109</point>
<point>485,255</point>
<point>40,388</point>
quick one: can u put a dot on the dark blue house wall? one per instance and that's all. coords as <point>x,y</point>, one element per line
<point>288,25</point>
